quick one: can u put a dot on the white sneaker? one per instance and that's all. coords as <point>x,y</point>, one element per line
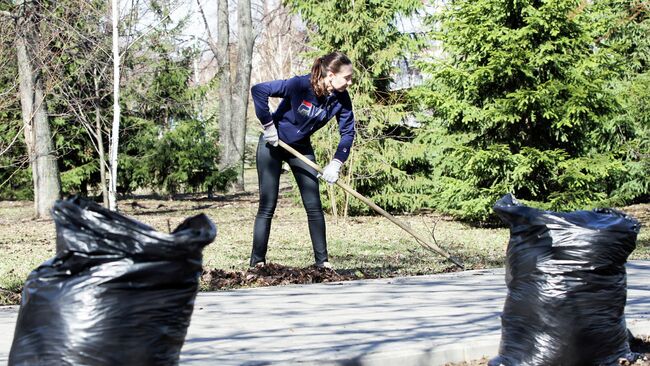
<point>327,265</point>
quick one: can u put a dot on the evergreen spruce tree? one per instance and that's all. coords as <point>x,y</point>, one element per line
<point>620,31</point>
<point>522,103</point>
<point>367,31</point>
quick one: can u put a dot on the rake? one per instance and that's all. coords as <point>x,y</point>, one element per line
<point>423,241</point>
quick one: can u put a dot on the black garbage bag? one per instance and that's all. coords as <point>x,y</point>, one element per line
<point>117,292</point>
<point>567,286</point>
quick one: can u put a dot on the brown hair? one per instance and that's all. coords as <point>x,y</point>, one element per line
<point>330,62</point>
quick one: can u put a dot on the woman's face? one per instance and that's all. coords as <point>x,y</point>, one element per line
<point>341,80</point>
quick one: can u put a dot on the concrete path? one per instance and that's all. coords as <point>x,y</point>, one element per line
<point>425,320</point>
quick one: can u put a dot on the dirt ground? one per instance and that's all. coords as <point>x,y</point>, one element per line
<point>272,274</point>
<point>639,345</point>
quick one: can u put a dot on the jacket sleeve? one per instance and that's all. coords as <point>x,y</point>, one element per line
<point>263,91</point>
<point>345,118</point>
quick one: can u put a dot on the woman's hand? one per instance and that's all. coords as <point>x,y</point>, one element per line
<point>271,135</point>
<point>331,171</point>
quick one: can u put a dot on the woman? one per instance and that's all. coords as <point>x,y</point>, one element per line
<point>308,103</point>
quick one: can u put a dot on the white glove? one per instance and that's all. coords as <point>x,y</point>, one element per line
<point>271,135</point>
<point>331,171</point>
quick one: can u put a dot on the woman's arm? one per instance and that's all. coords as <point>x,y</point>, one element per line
<point>263,91</point>
<point>346,128</point>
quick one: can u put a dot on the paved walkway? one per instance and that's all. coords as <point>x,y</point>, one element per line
<point>425,320</point>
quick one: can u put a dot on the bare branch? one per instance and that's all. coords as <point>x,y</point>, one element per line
<point>14,173</point>
<point>9,90</point>
<point>13,141</point>
<point>144,33</point>
<point>210,41</point>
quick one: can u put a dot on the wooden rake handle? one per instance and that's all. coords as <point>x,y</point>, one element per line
<point>423,241</point>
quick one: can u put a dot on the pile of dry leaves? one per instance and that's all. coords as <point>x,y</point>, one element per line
<point>270,275</point>
<point>8,297</point>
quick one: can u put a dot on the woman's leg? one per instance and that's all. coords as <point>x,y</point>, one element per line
<point>269,167</point>
<point>308,184</point>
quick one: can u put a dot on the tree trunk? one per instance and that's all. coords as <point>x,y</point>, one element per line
<point>222,53</point>
<point>233,95</point>
<point>26,86</point>
<point>49,183</point>
<point>45,172</point>
<point>242,84</point>
<point>100,140</point>
<point>115,131</point>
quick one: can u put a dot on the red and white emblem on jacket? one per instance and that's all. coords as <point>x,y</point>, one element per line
<point>305,108</point>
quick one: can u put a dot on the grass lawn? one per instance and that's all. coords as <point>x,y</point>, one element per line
<point>371,245</point>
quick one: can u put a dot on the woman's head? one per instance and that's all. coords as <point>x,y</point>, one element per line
<point>331,72</point>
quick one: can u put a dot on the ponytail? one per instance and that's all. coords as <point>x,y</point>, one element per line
<point>317,79</point>
<point>330,62</point>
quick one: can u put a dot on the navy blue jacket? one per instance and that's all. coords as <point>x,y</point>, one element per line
<point>301,113</point>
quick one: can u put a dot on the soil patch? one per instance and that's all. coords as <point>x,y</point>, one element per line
<point>8,297</point>
<point>272,274</point>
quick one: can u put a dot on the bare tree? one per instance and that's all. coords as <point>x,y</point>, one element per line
<point>99,135</point>
<point>38,137</point>
<point>279,29</point>
<point>221,52</point>
<point>233,86</point>
<point>83,85</point>
<point>237,128</point>
<point>88,33</point>
<point>115,130</point>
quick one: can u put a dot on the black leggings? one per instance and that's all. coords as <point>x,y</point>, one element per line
<point>269,166</point>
